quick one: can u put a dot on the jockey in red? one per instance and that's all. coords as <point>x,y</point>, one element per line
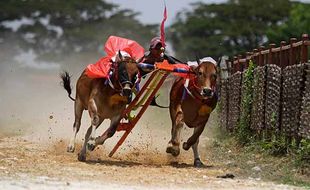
<point>156,53</point>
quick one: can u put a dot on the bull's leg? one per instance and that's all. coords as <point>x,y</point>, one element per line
<point>78,110</point>
<point>95,122</point>
<point>82,154</point>
<point>197,161</point>
<point>110,131</point>
<point>193,139</point>
<point>177,124</point>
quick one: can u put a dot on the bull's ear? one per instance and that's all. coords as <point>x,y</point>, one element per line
<point>120,55</point>
<point>197,59</point>
<point>193,68</point>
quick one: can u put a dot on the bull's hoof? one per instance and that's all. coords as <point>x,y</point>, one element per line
<point>185,146</point>
<point>98,141</point>
<point>70,149</point>
<point>91,146</point>
<point>198,163</point>
<point>174,150</point>
<point>81,157</point>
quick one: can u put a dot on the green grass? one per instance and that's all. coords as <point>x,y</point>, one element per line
<point>226,152</point>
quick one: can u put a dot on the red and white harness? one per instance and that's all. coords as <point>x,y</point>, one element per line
<point>190,83</point>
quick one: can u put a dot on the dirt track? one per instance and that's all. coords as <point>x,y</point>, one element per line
<point>26,164</point>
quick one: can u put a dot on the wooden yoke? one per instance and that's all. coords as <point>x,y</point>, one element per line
<point>150,92</point>
<point>143,99</point>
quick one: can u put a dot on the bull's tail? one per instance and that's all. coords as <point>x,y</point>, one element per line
<point>154,103</point>
<point>66,80</point>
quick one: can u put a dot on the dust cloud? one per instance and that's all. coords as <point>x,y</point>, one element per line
<point>32,100</point>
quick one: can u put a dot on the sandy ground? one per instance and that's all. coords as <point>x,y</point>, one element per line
<point>35,164</point>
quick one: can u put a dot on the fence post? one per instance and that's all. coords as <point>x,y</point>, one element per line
<point>248,58</point>
<point>240,65</point>
<point>261,56</point>
<point>304,49</point>
<point>228,65</point>
<point>292,52</point>
<point>303,59</point>
<point>255,56</point>
<point>234,63</point>
<point>283,62</point>
<point>270,55</point>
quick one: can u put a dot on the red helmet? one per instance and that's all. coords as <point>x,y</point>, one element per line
<point>154,42</point>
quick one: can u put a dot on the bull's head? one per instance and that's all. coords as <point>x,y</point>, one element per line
<point>205,80</point>
<point>127,73</point>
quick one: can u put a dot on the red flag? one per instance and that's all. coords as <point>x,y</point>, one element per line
<point>162,28</point>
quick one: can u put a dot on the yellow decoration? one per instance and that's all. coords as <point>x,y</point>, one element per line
<point>204,110</point>
<point>131,116</point>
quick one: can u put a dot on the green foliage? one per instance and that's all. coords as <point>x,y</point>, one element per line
<point>275,147</point>
<point>60,27</point>
<point>243,130</point>
<point>303,154</point>
<point>227,28</point>
<point>298,23</point>
<point>274,119</point>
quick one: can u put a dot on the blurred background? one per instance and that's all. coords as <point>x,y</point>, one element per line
<point>39,39</point>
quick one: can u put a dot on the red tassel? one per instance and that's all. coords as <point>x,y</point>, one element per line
<point>162,28</point>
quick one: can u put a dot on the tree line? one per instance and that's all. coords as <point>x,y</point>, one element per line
<point>54,27</point>
<point>237,26</point>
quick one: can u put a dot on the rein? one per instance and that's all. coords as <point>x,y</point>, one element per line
<point>113,77</point>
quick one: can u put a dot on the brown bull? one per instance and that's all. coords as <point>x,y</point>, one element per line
<point>192,106</point>
<point>102,100</point>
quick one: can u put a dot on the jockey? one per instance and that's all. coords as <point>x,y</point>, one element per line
<point>156,53</point>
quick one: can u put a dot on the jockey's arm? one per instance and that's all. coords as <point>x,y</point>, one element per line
<point>172,60</point>
<point>169,59</point>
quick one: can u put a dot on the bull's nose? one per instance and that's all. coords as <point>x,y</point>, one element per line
<point>127,92</point>
<point>207,92</point>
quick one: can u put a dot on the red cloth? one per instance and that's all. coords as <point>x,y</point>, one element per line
<point>102,67</point>
<point>171,67</point>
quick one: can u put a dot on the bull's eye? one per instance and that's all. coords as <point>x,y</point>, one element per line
<point>213,77</point>
<point>199,73</point>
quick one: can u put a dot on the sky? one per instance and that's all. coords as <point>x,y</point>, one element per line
<point>152,10</point>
